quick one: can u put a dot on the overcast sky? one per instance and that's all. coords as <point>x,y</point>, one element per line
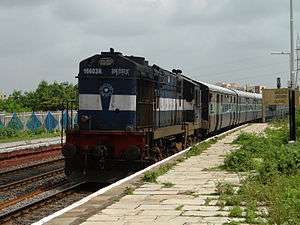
<point>210,40</point>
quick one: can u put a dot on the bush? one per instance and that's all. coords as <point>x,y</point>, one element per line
<point>7,132</point>
<point>268,154</point>
<point>11,134</point>
<point>281,160</point>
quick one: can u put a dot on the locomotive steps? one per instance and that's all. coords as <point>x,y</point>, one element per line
<point>186,193</point>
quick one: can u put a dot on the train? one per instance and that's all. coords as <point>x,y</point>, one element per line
<point>132,114</point>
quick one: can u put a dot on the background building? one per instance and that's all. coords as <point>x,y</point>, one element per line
<point>256,89</point>
<point>231,85</point>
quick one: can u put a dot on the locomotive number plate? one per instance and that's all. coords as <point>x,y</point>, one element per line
<point>92,71</point>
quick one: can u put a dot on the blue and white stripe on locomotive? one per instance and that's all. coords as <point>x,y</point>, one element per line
<point>116,102</point>
<point>110,105</point>
<point>120,113</point>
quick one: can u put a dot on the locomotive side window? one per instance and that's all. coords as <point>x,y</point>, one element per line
<point>197,98</point>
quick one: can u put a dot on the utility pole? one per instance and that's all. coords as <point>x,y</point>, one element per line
<point>298,60</point>
<point>292,108</point>
<point>292,52</point>
<point>292,83</point>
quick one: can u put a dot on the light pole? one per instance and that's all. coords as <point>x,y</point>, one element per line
<point>292,52</point>
<point>291,90</point>
<point>292,107</point>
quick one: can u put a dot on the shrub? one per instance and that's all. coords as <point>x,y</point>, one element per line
<point>7,132</point>
<point>236,212</point>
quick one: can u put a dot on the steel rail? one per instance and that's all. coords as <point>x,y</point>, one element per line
<point>33,178</point>
<point>37,200</point>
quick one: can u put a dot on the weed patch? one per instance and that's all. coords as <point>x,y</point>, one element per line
<point>153,175</point>
<point>225,189</point>
<point>179,207</point>
<point>128,191</point>
<point>208,201</point>
<point>236,212</point>
<point>168,184</point>
<point>198,149</point>
<point>276,180</point>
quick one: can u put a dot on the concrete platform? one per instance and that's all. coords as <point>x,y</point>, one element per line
<point>28,144</point>
<point>186,194</point>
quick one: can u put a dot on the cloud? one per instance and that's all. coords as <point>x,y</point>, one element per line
<point>18,3</point>
<point>205,38</point>
<point>110,18</point>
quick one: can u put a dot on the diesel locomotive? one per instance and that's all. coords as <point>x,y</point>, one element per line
<point>132,114</point>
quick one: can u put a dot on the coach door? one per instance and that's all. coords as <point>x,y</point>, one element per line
<point>217,112</point>
<point>233,105</point>
<point>145,103</point>
<point>197,106</point>
<point>239,109</point>
<point>229,102</point>
<point>221,111</point>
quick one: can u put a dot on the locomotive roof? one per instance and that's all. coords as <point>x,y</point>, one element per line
<point>188,79</point>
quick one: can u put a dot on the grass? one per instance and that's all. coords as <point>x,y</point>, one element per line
<point>225,189</point>
<point>152,176</point>
<point>275,180</point>
<point>207,201</point>
<point>236,211</point>
<point>128,191</point>
<point>168,184</point>
<point>10,135</point>
<point>179,207</point>
<point>198,149</point>
<point>232,223</point>
<point>191,193</point>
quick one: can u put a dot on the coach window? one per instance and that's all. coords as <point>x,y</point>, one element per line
<point>157,102</point>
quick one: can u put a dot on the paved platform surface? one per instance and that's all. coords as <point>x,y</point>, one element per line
<point>186,194</point>
<point>35,143</point>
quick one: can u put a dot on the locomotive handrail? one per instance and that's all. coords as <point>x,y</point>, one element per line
<point>69,124</point>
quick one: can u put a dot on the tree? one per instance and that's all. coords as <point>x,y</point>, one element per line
<point>47,97</point>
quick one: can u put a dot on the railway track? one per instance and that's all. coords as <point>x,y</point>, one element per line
<point>33,188</point>
<point>28,157</point>
<point>18,183</point>
<point>12,211</point>
<point>18,175</point>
